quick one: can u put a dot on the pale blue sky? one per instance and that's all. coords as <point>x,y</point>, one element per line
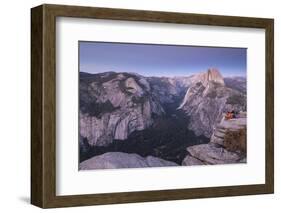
<point>160,60</point>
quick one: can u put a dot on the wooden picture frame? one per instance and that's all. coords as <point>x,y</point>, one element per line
<point>43,105</point>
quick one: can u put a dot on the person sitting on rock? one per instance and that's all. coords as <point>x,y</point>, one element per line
<point>228,115</point>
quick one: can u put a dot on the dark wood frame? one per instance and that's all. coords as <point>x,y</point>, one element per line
<point>43,105</point>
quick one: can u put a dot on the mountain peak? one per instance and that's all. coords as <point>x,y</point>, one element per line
<point>212,75</point>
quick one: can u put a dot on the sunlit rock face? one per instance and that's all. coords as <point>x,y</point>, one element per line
<point>207,98</point>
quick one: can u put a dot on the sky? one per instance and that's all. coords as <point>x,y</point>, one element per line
<point>160,60</point>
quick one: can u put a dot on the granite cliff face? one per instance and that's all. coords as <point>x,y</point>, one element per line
<point>211,75</point>
<point>113,105</point>
<point>207,98</point>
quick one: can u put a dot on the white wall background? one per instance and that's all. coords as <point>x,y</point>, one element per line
<point>15,105</point>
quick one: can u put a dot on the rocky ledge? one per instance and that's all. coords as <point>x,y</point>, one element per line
<point>227,144</point>
<point>116,160</point>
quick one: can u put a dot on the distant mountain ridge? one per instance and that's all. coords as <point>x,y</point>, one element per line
<point>114,105</point>
<point>237,82</point>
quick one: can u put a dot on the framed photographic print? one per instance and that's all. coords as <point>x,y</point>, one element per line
<point>136,106</point>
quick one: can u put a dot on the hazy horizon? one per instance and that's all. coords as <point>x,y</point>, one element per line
<point>163,76</point>
<point>153,60</point>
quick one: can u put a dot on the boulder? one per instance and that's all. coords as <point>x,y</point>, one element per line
<point>227,144</point>
<point>231,134</point>
<point>116,160</point>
